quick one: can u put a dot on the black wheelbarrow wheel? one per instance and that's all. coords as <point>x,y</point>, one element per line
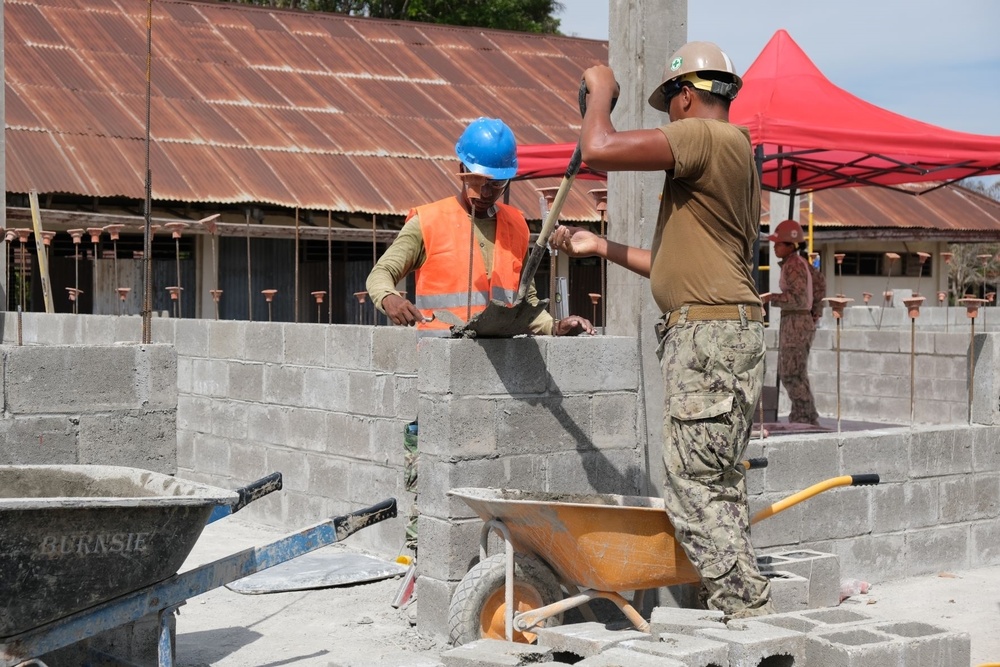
<point>478,606</point>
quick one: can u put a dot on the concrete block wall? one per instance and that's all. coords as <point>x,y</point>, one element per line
<point>875,374</point>
<point>75,404</point>
<point>936,508</point>
<point>324,405</point>
<point>539,414</point>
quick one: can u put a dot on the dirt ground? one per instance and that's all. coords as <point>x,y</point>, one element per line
<point>355,626</point>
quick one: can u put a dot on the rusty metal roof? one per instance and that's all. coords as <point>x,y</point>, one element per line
<point>941,212</point>
<point>257,105</point>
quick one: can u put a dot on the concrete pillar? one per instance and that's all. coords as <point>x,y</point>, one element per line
<point>642,35</point>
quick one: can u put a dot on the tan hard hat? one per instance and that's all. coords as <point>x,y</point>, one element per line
<point>705,66</point>
<point>788,231</point>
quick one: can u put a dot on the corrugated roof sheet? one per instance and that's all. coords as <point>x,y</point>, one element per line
<point>939,209</point>
<point>290,108</point>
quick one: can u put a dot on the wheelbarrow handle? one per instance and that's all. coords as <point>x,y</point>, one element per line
<point>754,463</point>
<point>351,523</point>
<point>257,490</point>
<point>820,487</point>
<point>866,479</point>
<point>246,495</point>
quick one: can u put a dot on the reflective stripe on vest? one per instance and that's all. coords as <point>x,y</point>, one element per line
<point>442,281</point>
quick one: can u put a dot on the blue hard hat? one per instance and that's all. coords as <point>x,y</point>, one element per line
<point>488,147</point>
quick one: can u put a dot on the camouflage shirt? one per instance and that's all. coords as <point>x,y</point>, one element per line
<point>796,285</point>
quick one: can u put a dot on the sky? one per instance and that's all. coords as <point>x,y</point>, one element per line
<point>938,62</point>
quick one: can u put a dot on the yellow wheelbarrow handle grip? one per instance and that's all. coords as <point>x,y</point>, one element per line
<point>805,494</point>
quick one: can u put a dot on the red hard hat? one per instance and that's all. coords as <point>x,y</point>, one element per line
<point>787,231</point>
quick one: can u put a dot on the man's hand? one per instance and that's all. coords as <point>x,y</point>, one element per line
<point>601,78</point>
<point>574,325</point>
<point>767,297</point>
<point>574,241</point>
<point>401,311</point>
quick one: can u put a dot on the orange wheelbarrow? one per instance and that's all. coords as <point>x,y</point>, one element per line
<point>594,546</point>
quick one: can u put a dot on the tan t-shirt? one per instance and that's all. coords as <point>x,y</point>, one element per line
<point>709,217</point>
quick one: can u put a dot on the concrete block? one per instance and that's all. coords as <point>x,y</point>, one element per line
<point>350,435</point>
<point>985,549</point>
<point>305,344</point>
<point>753,643</point>
<point>263,341</point>
<point>439,475</point>
<point>795,463</point>
<point>370,483</point>
<point>162,330</point>
<point>155,375</point>
<point>448,548</point>
<point>821,570</point>
<point>51,440</point>
<point>899,507</point>
<point>970,497</point>
<point>686,649</point>
<point>131,438</point>
<point>361,393</point>
<point>509,366</point>
<point>837,513</point>
<point>780,529</point>
<point>326,389</point>
<point>386,441</point>
<point>211,454</point>
<point>675,620</point>
<point>229,419</point>
<point>266,423</point>
<point>349,346</point>
<point>882,451</point>
<point>185,374</point>
<point>306,430</point>
<point>858,646</point>
<point>246,381</point>
<point>226,339</point>
<point>54,379</point>
<point>937,549</point>
<point>191,338</point>
<point>542,425</point>
<point>127,329</point>
<point>870,556</point>
<point>935,451</point>
<point>283,385</point>
<point>925,645</point>
<point>458,426</point>
<point>494,652</point>
<point>614,420</point>
<point>605,471</point>
<point>210,377</point>
<point>585,639</point>
<point>985,453</point>
<point>407,397</point>
<point>394,349</point>
<point>432,610</point>
<point>247,462</point>
<point>579,364</point>
<point>622,657</point>
<point>789,592</point>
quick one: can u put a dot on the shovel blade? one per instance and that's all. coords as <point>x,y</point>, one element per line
<point>497,320</point>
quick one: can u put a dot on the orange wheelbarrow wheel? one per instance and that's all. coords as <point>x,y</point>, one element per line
<point>478,606</point>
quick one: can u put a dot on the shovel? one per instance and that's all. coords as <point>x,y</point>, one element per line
<point>502,320</point>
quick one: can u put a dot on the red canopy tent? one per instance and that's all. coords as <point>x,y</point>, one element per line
<point>550,161</point>
<point>811,135</point>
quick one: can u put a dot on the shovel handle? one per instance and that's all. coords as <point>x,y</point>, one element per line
<point>538,250</point>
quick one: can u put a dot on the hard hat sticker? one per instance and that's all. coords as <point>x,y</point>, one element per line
<point>675,64</point>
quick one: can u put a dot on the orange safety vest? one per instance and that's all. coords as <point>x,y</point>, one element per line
<point>443,279</point>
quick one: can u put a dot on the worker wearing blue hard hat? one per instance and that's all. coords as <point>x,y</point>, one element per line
<point>438,240</point>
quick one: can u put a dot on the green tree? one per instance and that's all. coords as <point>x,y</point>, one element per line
<point>520,15</point>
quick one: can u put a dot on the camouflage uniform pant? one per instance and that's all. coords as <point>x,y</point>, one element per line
<point>795,336</point>
<point>712,374</point>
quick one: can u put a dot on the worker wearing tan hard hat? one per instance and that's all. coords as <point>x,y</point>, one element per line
<point>798,326</point>
<point>711,332</point>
